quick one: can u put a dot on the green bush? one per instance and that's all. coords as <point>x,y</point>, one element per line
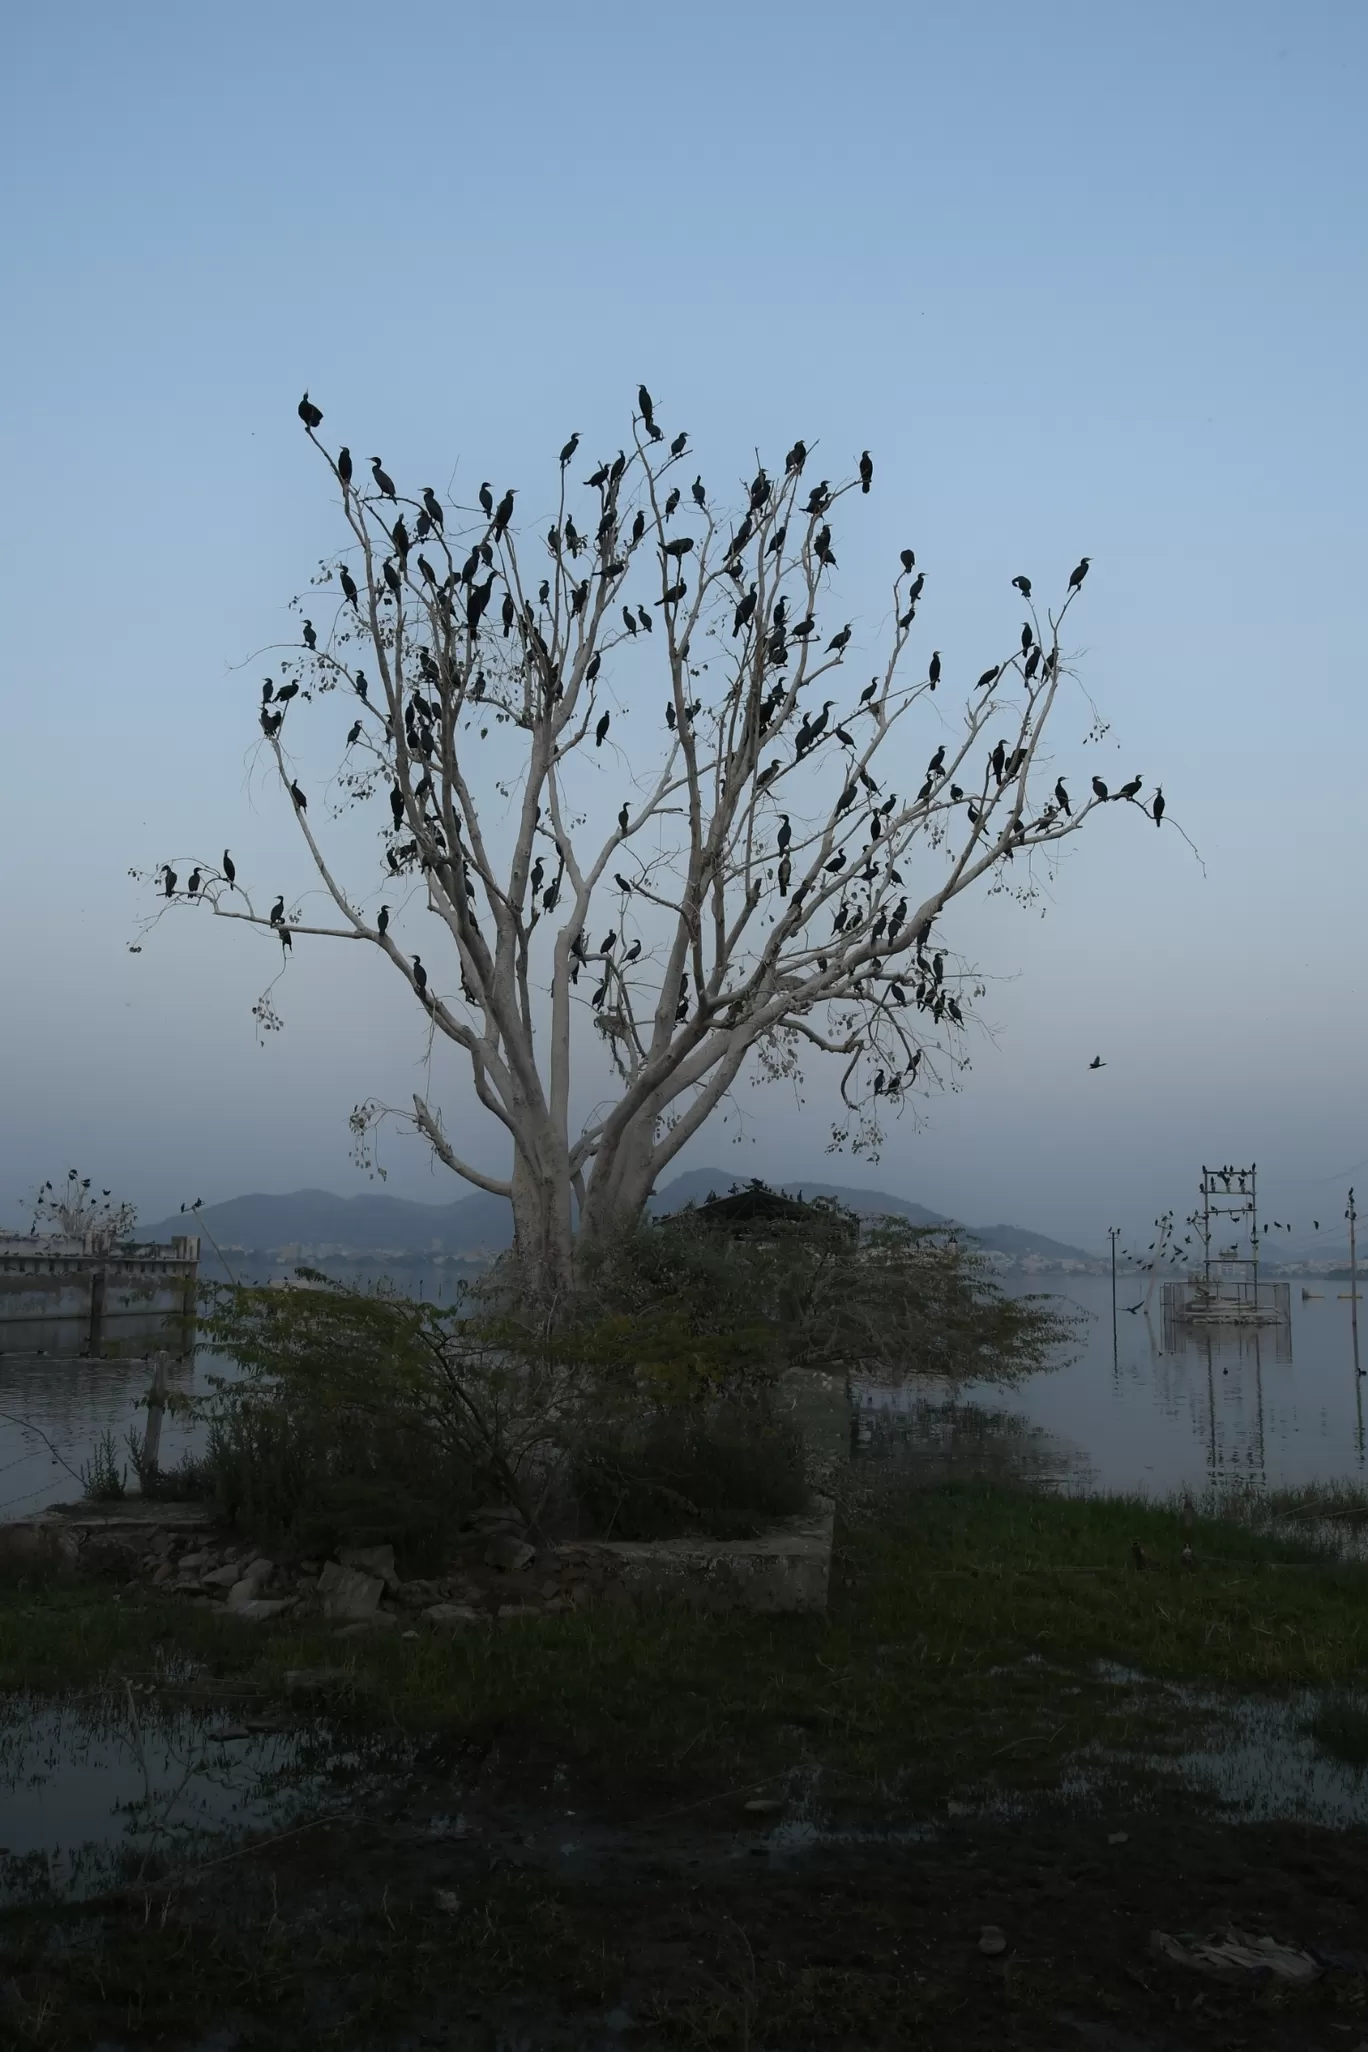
<point>727,1473</point>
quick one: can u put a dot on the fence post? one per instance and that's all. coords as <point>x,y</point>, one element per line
<point>156,1410</point>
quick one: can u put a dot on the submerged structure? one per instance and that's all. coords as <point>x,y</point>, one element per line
<point>1227,1290</point>
<point>75,1294</point>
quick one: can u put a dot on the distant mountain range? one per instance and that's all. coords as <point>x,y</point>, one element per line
<point>315,1224</point>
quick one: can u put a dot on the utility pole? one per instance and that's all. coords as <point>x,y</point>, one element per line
<point>1112,1232</point>
<point>1352,1215</point>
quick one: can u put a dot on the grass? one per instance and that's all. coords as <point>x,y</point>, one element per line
<point>958,1616</point>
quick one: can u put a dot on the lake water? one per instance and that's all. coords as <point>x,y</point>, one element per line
<point>1262,1409</point>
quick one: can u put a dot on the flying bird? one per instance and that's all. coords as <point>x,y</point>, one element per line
<point>1097,1063</point>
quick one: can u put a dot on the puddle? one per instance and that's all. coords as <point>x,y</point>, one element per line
<point>113,1790</point>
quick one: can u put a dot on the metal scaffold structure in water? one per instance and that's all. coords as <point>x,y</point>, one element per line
<point>1227,1290</point>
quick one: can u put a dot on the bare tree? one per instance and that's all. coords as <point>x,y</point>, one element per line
<point>768,878</point>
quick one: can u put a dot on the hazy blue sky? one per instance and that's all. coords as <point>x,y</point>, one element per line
<point>1084,279</point>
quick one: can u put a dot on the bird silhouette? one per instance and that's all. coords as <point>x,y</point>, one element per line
<point>601,730</point>
<point>229,870</point>
<point>278,911</point>
<point>933,669</point>
<point>419,977</point>
<point>1023,585</point>
<point>348,583</point>
<point>1100,790</point>
<point>1079,573</point>
<point>384,483</point>
<point>169,879</point>
<point>1097,1063</point>
<point>1062,799</point>
<point>310,414</point>
<point>866,471</point>
<point>567,454</point>
<point>310,638</point>
<point>300,800</point>
<point>1157,808</point>
<point>647,406</point>
<point>503,513</point>
<point>382,921</point>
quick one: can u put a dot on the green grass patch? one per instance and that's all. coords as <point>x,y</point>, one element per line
<point>963,1636</point>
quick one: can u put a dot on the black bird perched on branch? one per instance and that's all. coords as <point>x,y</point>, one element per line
<point>486,498</point>
<point>866,471</point>
<point>647,406</point>
<point>278,911</point>
<point>1079,573</point>
<point>989,677</point>
<point>382,920</point>
<point>348,583</point>
<point>671,503</point>
<point>286,693</point>
<point>629,620</point>
<point>229,870</point>
<point>1062,799</point>
<point>503,513</point>
<point>785,833</point>
<point>384,483</point>
<point>1099,789</point>
<point>432,507</point>
<point>796,458</point>
<point>310,414</point>
<point>353,733</point>
<point>819,498</point>
<point>285,939</point>
<point>933,669</point>
<point>624,820</point>
<point>310,638</point>
<point>169,879</point>
<point>744,610</point>
<point>679,444</point>
<point>1132,789</point>
<point>300,800</point>
<point>601,730</point>
<point>672,597</point>
<point>1157,808</point>
<point>420,977</point>
<point>567,454</point>
<point>1023,585</point>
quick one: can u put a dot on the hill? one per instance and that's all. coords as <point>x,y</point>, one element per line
<point>318,1225</point>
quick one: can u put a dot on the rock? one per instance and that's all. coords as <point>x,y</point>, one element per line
<point>452,1615</point>
<point>508,1553</point>
<point>348,1593</point>
<point>220,1578</point>
<point>380,1620</point>
<point>163,1574</point>
<point>257,1609</point>
<point>991,1941</point>
<point>372,1560</point>
<point>508,1611</point>
<point>496,1518</point>
<point>190,1563</point>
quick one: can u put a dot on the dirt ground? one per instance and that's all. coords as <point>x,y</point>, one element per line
<point>658,1916</point>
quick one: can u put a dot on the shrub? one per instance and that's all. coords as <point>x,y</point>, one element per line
<point>727,1473</point>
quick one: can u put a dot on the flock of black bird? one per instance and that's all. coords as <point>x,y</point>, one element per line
<point>422,717</point>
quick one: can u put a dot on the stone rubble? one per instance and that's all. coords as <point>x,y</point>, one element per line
<point>498,1575</point>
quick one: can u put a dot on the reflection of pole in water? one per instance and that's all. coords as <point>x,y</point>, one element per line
<point>1112,1232</point>
<point>1352,1216</point>
<point>1211,1405</point>
<point>1259,1411</point>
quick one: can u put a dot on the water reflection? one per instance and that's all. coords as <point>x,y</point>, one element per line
<point>122,1787</point>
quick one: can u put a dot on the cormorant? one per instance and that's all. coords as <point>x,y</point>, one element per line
<point>679,444</point>
<point>1079,574</point>
<point>309,413</point>
<point>310,638</point>
<point>1023,585</point>
<point>866,471</point>
<point>229,870</point>
<point>567,454</point>
<point>1157,807</point>
<point>933,670</point>
<point>419,976</point>
<point>278,911</point>
<point>382,920</point>
<point>601,730</point>
<point>384,483</point>
<point>300,800</point>
<point>348,583</point>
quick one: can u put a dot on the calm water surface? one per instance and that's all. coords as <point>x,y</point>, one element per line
<point>1263,1409</point>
